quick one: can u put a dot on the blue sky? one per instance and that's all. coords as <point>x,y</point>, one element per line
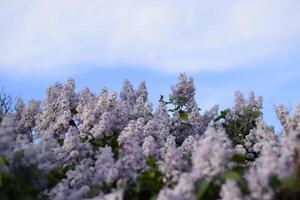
<point>224,46</point>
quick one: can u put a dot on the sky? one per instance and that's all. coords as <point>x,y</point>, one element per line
<point>224,45</point>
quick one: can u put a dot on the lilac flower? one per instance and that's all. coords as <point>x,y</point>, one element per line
<point>173,164</point>
<point>131,159</point>
<point>258,178</point>
<point>73,149</point>
<point>184,90</point>
<point>282,115</point>
<point>106,170</point>
<point>230,191</point>
<point>28,116</point>
<point>240,102</point>
<point>142,92</point>
<point>150,147</point>
<point>211,154</point>
<point>184,190</point>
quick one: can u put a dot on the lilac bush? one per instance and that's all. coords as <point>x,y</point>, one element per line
<point>83,145</point>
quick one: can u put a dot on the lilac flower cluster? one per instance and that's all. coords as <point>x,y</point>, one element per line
<point>105,146</point>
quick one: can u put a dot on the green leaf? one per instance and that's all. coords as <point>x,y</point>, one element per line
<point>2,161</point>
<point>257,114</point>
<point>171,100</point>
<point>291,183</point>
<point>222,115</point>
<point>68,167</point>
<point>161,99</point>
<point>274,182</point>
<point>74,111</point>
<point>151,162</point>
<point>183,115</point>
<point>94,191</point>
<point>238,158</point>
<point>232,175</point>
<point>201,188</point>
<point>83,139</point>
<point>60,141</point>
<point>111,141</point>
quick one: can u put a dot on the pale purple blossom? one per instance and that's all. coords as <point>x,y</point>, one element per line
<point>184,90</point>
<point>173,164</point>
<point>231,191</point>
<point>211,154</point>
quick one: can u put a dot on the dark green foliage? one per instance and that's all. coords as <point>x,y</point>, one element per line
<point>96,189</point>
<point>60,141</point>
<point>206,190</point>
<point>148,183</point>
<point>26,182</point>
<point>111,141</point>
<point>238,124</point>
<point>20,184</point>
<point>287,188</point>
<point>58,174</point>
<point>222,115</point>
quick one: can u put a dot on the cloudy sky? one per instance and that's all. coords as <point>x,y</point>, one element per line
<point>225,45</point>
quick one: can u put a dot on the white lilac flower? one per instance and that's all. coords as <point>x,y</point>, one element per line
<point>8,136</point>
<point>85,97</point>
<point>50,107</point>
<point>29,116</point>
<point>282,115</point>
<point>106,170</point>
<point>230,191</point>
<point>128,94</point>
<point>40,155</point>
<point>187,146</point>
<point>258,177</point>
<point>131,159</point>
<point>150,128</point>
<point>142,92</point>
<point>170,142</point>
<point>57,108</point>
<point>184,190</point>
<point>289,153</point>
<point>86,104</point>
<point>150,147</point>
<point>162,120</point>
<point>73,149</point>
<point>141,109</point>
<point>114,195</point>
<point>134,130</point>
<point>240,149</point>
<point>264,134</point>
<point>173,164</point>
<point>290,148</point>
<point>82,174</point>
<point>239,101</point>
<point>67,102</point>
<point>184,90</point>
<point>211,154</point>
<point>63,191</point>
<point>105,126</point>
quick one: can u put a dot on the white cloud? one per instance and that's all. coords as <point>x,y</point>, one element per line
<point>164,35</point>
